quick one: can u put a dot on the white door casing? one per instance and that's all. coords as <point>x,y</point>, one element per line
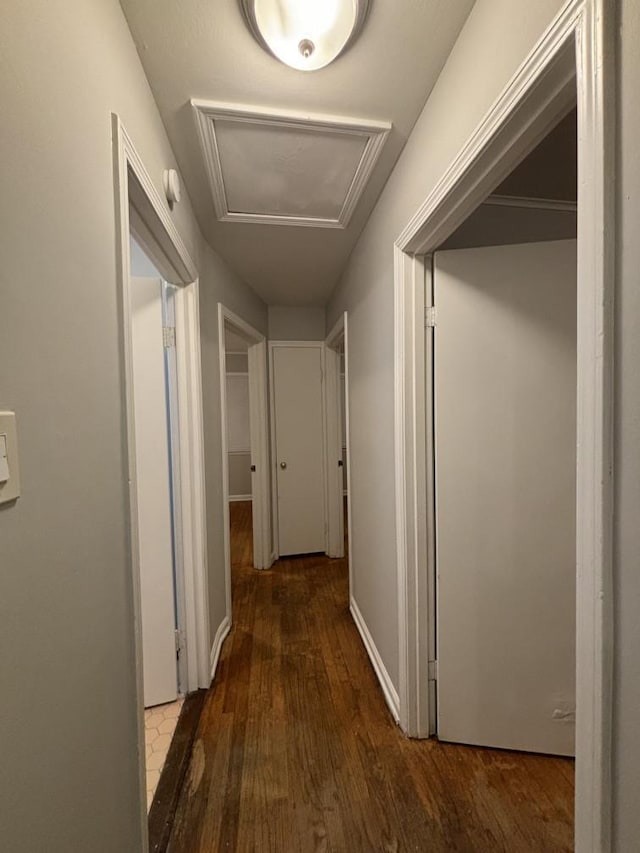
<point>259,440</point>
<point>260,478</point>
<point>141,211</point>
<point>170,296</point>
<point>505,376</point>
<point>577,51</point>
<point>333,431</point>
<point>338,340</point>
<point>298,440</point>
<point>154,494</point>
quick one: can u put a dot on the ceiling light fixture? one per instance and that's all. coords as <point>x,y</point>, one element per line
<point>305,34</point>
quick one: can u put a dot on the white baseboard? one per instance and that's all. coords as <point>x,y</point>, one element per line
<point>389,691</point>
<point>221,636</point>
<point>233,498</point>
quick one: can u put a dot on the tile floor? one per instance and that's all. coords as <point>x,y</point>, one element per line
<point>159,726</point>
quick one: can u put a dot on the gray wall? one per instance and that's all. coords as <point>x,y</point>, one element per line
<point>626,776</point>
<point>495,39</point>
<point>237,362</point>
<point>289,323</point>
<point>238,426</point>
<point>240,483</point>
<point>68,722</point>
<point>494,225</point>
<point>551,169</point>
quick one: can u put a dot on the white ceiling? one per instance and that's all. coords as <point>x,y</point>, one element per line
<point>202,49</point>
<point>286,168</point>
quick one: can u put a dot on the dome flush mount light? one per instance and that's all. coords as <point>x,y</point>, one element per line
<point>305,34</point>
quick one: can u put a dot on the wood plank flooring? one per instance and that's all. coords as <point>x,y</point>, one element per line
<point>296,750</point>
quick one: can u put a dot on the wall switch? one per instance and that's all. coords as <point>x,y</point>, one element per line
<point>4,462</point>
<point>9,473</point>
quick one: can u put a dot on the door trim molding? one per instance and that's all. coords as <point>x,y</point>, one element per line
<point>531,203</point>
<point>259,436</point>
<point>339,333</point>
<point>151,222</point>
<point>577,48</point>
<point>272,414</point>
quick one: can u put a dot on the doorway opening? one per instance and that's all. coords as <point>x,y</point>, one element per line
<point>501,349</point>
<point>560,71</point>
<point>239,450</point>
<point>337,449</point>
<point>157,424</point>
<point>501,353</point>
<point>164,480</point>
<point>245,448</point>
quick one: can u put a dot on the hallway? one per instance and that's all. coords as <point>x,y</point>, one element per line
<point>296,750</point>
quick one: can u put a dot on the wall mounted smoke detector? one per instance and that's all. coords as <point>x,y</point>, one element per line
<point>171,182</point>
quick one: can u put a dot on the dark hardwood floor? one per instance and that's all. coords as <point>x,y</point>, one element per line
<point>296,750</point>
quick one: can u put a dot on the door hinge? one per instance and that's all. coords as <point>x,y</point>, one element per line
<point>178,638</point>
<point>433,670</point>
<point>168,337</point>
<point>430,317</point>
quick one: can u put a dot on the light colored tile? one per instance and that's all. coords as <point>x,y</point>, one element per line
<point>167,727</point>
<point>148,750</point>
<point>153,777</point>
<point>162,743</point>
<point>150,735</point>
<point>172,712</point>
<point>156,760</point>
<point>154,720</point>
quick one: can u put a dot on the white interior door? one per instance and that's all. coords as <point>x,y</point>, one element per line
<point>260,476</point>
<point>505,363</point>
<point>298,413</point>
<point>153,493</point>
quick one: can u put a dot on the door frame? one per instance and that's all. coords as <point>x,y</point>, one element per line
<point>259,439</point>
<point>141,210</point>
<point>576,51</point>
<point>273,345</point>
<point>333,404</point>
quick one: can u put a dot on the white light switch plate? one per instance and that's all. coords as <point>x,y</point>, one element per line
<point>10,488</point>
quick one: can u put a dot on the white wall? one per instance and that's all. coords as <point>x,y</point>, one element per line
<point>69,780</point>
<point>291,323</point>
<point>626,773</point>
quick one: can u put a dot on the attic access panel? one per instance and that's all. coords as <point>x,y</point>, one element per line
<point>273,167</point>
